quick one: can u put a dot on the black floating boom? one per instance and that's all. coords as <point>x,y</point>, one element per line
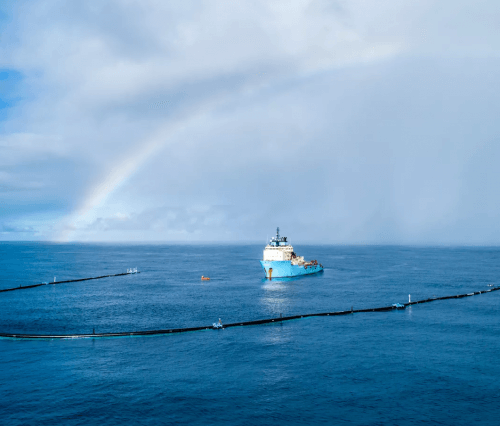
<point>236,324</point>
<point>67,281</point>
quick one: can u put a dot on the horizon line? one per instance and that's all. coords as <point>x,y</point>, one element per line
<point>250,242</point>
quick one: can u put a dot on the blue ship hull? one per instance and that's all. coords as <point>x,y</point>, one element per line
<point>285,269</point>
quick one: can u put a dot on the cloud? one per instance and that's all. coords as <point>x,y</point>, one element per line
<point>350,121</point>
<point>9,183</point>
<point>10,228</point>
<point>177,221</point>
<point>18,148</point>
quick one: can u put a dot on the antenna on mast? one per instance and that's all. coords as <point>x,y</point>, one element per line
<point>278,232</point>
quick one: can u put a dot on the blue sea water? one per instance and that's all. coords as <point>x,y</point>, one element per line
<point>433,363</point>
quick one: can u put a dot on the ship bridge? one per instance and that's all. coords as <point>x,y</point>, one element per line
<point>277,240</point>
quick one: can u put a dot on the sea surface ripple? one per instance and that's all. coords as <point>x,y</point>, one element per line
<point>432,363</point>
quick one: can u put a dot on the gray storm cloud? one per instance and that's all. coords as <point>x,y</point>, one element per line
<point>341,122</point>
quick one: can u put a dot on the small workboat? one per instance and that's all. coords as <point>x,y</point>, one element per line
<point>398,306</point>
<point>217,325</point>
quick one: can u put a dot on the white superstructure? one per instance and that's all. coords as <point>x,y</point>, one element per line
<point>279,249</point>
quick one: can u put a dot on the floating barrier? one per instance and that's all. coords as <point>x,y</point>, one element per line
<point>129,272</point>
<point>219,325</point>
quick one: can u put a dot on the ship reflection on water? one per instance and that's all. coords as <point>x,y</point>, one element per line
<point>282,279</point>
<point>276,296</point>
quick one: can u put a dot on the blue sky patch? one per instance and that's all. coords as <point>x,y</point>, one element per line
<point>10,82</point>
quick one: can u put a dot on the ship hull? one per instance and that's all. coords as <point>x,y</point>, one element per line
<point>285,269</point>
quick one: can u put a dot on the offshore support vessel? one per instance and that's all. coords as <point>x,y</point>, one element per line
<point>280,260</point>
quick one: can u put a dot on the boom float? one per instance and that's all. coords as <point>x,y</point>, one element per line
<point>129,272</point>
<point>281,319</point>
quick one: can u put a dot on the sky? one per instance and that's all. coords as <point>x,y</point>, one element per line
<point>341,122</point>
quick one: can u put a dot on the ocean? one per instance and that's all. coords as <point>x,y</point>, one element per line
<point>432,363</point>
